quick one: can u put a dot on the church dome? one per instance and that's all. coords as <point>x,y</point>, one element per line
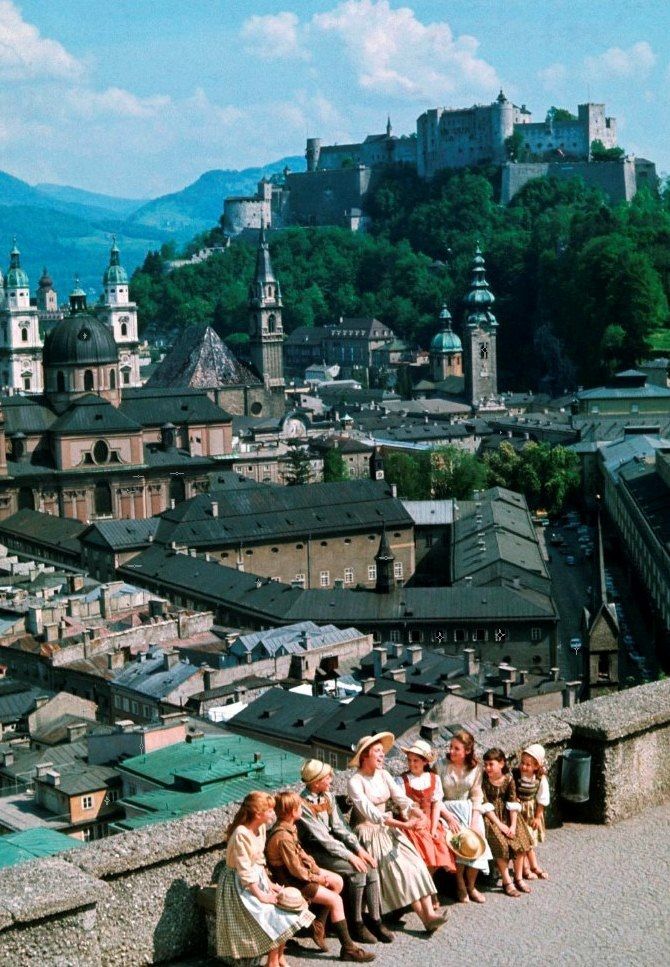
<point>46,282</point>
<point>80,340</point>
<point>115,274</point>
<point>446,342</point>
<point>17,278</point>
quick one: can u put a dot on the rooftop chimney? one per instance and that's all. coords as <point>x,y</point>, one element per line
<point>76,731</point>
<point>398,674</point>
<point>386,700</point>
<point>555,674</point>
<point>570,693</point>
<point>495,721</point>
<point>42,768</point>
<point>523,672</point>
<point>197,736</point>
<point>170,659</point>
<point>378,660</point>
<point>429,732</point>
<point>52,777</point>
<point>215,508</point>
<point>469,661</point>
<point>367,684</point>
<point>414,654</point>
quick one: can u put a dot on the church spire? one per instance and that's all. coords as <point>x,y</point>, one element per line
<point>385,560</point>
<point>266,333</point>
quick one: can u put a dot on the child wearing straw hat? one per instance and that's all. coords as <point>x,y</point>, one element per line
<point>424,787</point>
<point>404,877</point>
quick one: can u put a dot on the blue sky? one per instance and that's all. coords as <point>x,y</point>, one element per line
<point>139,97</point>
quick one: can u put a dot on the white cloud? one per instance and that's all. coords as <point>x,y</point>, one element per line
<point>615,62</point>
<point>273,37</point>
<point>25,55</point>
<point>396,54</point>
<point>113,102</point>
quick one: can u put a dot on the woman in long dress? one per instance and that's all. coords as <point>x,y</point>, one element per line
<point>249,924</point>
<point>461,777</point>
<point>404,877</point>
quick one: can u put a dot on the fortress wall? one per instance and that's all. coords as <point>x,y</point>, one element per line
<point>322,197</point>
<point>616,178</point>
<point>131,899</point>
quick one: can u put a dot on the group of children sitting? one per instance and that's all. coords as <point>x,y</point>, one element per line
<point>293,862</point>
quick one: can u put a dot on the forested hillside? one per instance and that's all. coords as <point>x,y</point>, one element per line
<point>580,284</point>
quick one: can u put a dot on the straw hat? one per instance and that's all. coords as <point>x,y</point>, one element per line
<point>313,770</point>
<point>536,751</point>
<point>291,899</point>
<point>386,738</point>
<point>467,844</point>
<point>420,748</point>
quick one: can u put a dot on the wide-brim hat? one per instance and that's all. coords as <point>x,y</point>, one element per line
<point>314,769</point>
<point>386,738</point>
<point>289,898</point>
<point>467,844</point>
<point>420,748</point>
<point>536,751</point>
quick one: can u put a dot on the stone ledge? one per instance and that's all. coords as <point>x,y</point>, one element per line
<point>610,718</point>
<point>45,887</point>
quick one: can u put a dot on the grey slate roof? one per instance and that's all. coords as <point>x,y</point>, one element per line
<point>283,715</point>
<point>59,532</point>
<point>26,415</point>
<point>294,639</point>
<point>89,779</point>
<point>274,513</point>
<point>17,699</point>
<point>148,676</point>
<point>69,756</point>
<point>119,534</point>
<point>91,414</point>
<point>200,359</point>
<point>427,512</point>
<point>154,407</point>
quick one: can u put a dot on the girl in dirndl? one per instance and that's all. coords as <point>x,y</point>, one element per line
<point>424,787</point>
<point>249,924</point>
<point>532,789</point>
<point>506,829</point>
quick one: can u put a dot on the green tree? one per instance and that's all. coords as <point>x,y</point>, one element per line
<point>410,473</point>
<point>559,114</point>
<point>503,466</point>
<point>334,467</point>
<point>456,473</point>
<point>299,468</point>
<point>515,146</point>
<point>600,153</point>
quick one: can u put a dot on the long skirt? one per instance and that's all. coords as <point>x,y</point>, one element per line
<point>470,819</point>
<point>432,850</point>
<point>246,929</point>
<point>403,876</point>
<point>504,848</point>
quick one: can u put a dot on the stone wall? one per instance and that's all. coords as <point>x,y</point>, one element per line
<point>131,899</point>
<point>616,178</point>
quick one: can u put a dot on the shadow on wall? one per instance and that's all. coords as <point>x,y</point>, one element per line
<point>173,931</point>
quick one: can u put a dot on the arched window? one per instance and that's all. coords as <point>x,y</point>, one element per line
<point>26,499</point>
<point>60,381</point>
<point>125,377</point>
<point>112,379</point>
<point>102,499</point>
<point>88,380</point>
<point>100,451</point>
<point>177,489</point>
<point>24,335</point>
<point>124,329</point>
<point>272,323</point>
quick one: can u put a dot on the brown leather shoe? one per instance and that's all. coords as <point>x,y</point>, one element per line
<point>356,955</point>
<point>381,932</point>
<point>319,935</point>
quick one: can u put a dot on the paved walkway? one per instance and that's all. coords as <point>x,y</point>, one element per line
<point>607,904</point>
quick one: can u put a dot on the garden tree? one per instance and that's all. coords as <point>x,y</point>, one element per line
<point>559,114</point>
<point>410,473</point>
<point>334,467</point>
<point>546,476</point>
<point>515,146</point>
<point>299,469</point>
<point>503,466</point>
<point>456,473</point>
<point>403,385</point>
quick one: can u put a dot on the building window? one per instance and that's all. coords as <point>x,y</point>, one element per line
<point>324,579</point>
<point>126,705</point>
<point>535,634</point>
<point>112,379</point>
<point>125,375</point>
<point>87,802</point>
<point>88,380</point>
<point>100,452</point>
<point>460,634</point>
<point>348,575</point>
<point>135,708</point>
<point>102,499</point>
<point>118,702</point>
<point>60,382</point>
<point>479,634</point>
<point>372,572</point>
<point>24,335</point>
<point>124,329</point>
<point>299,579</point>
<point>397,570</point>
<point>26,382</point>
<point>395,636</point>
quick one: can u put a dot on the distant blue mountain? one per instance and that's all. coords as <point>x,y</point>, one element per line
<point>69,230</point>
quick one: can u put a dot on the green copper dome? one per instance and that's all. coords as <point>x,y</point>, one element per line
<point>479,299</point>
<point>446,342</point>
<point>115,274</point>
<point>17,278</point>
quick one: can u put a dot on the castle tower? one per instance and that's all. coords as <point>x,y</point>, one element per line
<point>385,559</point>
<point>266,333</point>
<point>20,341</point>
<point>480,338</point>
<point>502,126</point>
<point>120,314</point>
<point>446,351</point>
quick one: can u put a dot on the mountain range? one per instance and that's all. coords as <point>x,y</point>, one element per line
<point>68,230</point>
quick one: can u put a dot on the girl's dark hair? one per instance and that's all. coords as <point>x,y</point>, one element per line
<point>467,740</point>
<point>498,755</point>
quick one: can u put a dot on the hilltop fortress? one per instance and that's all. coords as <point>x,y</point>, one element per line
<point>339,177</point>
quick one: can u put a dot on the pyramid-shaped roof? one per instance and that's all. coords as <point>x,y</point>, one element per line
<point>201,360</point>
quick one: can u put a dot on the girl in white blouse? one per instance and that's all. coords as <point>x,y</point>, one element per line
<point>462,786</point>
<point>404,877</point>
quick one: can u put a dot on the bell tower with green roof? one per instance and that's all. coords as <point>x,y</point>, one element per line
<point>266,332</point>
<point>120,314</point>
<point>20,340</point>
<point>446,351</point>
<point>480,349</point>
